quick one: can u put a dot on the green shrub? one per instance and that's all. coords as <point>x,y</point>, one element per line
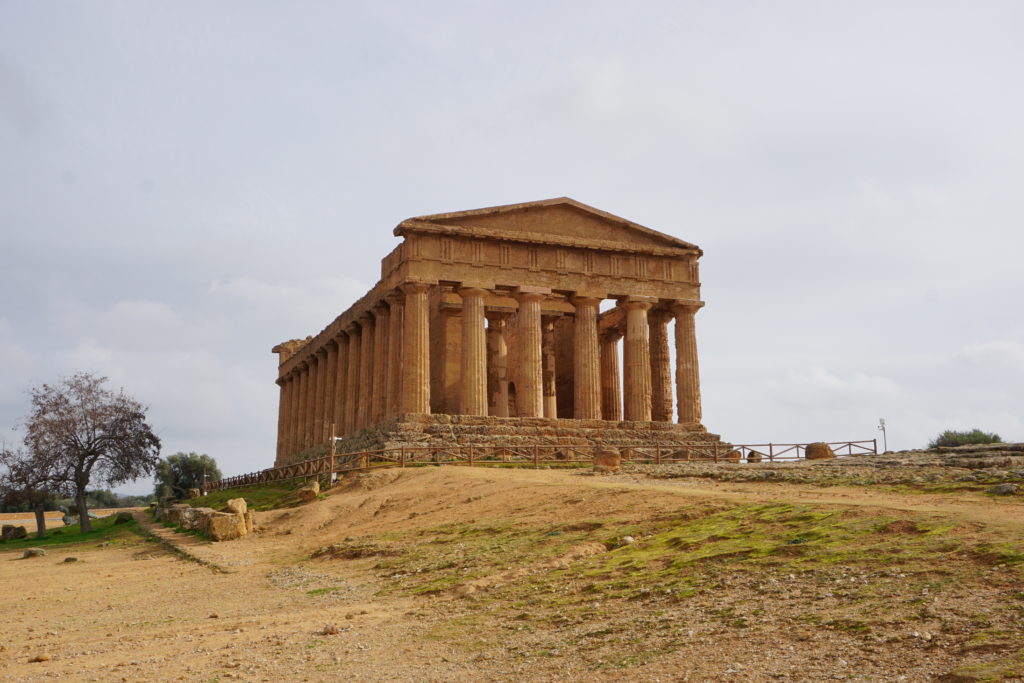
<point>953,438</point>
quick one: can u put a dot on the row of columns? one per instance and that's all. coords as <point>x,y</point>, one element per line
<point>379,366</point>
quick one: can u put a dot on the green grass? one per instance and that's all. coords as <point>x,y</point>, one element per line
<point>103,530</point>
<point>269,496</point>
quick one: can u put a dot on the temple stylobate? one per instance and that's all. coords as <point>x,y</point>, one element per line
<point>488,323</point>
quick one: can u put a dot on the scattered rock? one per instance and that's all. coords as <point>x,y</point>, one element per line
<point>123,517</point>
<point>1005,489</point>
<point>754,456</point>
<point>310,491</point>
<point>11,532</point>
<point>626,540</point>
<point>607,460</point>
<point>236,505</point>
<point>40,658</point>
<point>71,559</point>
<point>330,630</point>
<point>214,615</point>
<point>33,552</point>
<point>818,451</point>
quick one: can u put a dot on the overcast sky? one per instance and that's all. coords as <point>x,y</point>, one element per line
<point>184,185</point>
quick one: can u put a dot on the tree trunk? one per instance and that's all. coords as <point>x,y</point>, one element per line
<point>40,522</point>
<point>84,524</point>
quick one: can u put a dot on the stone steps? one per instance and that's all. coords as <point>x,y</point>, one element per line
<point>442,430</point>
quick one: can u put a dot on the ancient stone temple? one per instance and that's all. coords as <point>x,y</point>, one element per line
<point>505,323</point>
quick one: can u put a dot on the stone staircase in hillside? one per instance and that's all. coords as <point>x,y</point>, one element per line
<point>411,431</point>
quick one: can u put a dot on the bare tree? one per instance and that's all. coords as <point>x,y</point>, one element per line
<point>31,481</point>
<point>91,434</point>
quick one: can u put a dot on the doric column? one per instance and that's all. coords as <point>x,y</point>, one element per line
<point>364,404</point>
<point>661,372</point>
<point>611,385</point>
<point>548,369</point>
<point>319,396</point>
<point>416,350</point>
<point>352,397</point>
<point>295,421</point>
<point>340,384</point>
<point>636,357</point>
<point>497,365</point>
<point>309,419</point>
<point>530,387</point>
<point>381,314</point>
<point>394,382</point>
<point>330,393</point>
<point>282,418</point>
<point>474,352</point>
<point>687,371</point>
<point>586,364</point>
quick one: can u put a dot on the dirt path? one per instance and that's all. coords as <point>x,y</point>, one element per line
<point>135,612</point>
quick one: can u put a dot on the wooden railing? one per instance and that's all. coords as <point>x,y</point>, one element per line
<point>535,455</point>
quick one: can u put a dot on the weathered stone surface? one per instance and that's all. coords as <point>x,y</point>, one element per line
<point>416,343</point>
<point>10,532</point>
<point>194,493</point>
<point>1005,489</point>
<point>754,456</point>
<point>818,451</point>
<point>608,460</point>
<point>250,521</point>
<point>222,526</point>
<point>733,456</point>
<point>33,552</point>
<point>236,505</point>
<point>310,491</point>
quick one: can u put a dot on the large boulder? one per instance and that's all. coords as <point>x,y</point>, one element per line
<point>194,493</point>
<point>733,456</point>
<point>11,532</point>
<point>223,526</point>
<point>607,460</point>
<point>818,451</point>
<point>175,513</point>
<point>310,491</point>
<point>33,552</point>
<point>236,505</point>
<point>754,456</point>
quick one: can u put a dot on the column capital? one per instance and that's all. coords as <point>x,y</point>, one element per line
<point>395,296</point>
<point>352,329</point>
<point>415,287</point>
<point>321,352</point>
<point>579,299</point>
<point>471,291</point>
<point>643,303</point>
<point>611,334</point>
<point>684,306</point>
<point>365,320</point>
<point>531,293</point>
<point>659,314</point>
<point>378,308</point>
<point>497,316</point>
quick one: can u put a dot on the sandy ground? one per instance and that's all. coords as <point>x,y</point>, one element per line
<point>133,612</point>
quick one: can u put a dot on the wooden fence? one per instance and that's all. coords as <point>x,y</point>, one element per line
<point>328,467</point>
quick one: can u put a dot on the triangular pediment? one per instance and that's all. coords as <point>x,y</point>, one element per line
<point>561,218</point>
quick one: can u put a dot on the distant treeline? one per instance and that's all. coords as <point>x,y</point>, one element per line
<point>103,498</point>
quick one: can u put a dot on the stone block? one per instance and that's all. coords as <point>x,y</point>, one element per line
<point>237,506</point>
<point>11,532</point>
<point>222,526</point>
<point>818,451</point>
